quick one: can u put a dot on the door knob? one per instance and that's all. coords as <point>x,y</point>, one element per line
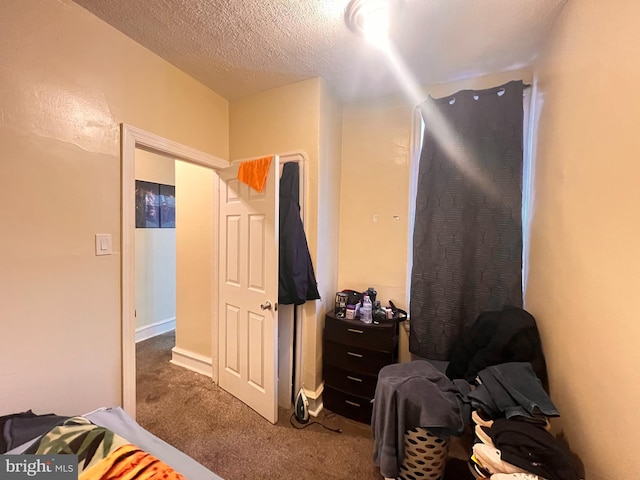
<point>266,305</point>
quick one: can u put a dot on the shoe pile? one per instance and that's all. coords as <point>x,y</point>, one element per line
<point>516,449</point>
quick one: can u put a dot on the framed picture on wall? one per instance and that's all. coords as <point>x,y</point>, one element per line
<point>167,206</point>
<point>155,205</point>
<point>147,204</point>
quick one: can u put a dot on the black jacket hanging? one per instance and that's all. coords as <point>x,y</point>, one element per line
<point>297,280</point>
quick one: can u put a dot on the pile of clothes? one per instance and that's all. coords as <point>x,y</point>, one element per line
<point>507,403</point>
<point>518,450</point>
<point>511,413</point>
<point>495,370</point>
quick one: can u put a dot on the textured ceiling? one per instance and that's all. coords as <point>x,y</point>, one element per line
<point>239,47</point>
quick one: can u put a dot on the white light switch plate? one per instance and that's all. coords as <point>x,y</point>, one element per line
<point>103,244</point>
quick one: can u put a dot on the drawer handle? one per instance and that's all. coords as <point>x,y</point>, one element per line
<point>353,404</point>
<point>355,379</point>
<point>354,330</point>
<point>357,355</point>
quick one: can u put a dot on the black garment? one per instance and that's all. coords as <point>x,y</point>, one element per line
<point>508,335</point>
<point>531,448</point>
<point>297,281</point>
<point>3,421</point>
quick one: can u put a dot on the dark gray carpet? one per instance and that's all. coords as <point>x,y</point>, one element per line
<point>191,413</point>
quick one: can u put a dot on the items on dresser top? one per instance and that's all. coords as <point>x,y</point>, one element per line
<point>352,305</point>
<point>354,353</point>
<point>340,308</point>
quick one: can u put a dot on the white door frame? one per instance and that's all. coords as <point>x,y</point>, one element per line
<point>132,138</point>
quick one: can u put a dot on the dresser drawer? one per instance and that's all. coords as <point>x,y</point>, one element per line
<point>358,334</point>
<point>354,359</point>
<point>347,405</point>
<point>350,382</point>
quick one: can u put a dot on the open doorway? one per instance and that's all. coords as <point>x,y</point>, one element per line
<point>155,245</point>
<point>289,349</point>
<point>134,139</point>
<point>155,268</point>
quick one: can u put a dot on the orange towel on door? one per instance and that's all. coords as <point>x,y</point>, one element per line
<point>254,172</point>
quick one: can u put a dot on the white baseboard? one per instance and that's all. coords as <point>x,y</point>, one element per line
<point>192,361</point>
<point>315,407</point>
<point>315,400</point>
<point>157,328</point>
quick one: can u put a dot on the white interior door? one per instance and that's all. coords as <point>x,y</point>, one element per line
<point>248,295</point>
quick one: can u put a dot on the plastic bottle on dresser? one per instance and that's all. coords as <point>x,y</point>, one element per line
<point>366,309</point>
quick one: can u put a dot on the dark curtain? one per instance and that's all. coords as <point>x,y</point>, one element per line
<point>467,239</point>
<point>297,280</point>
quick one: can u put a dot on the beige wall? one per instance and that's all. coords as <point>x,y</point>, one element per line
<point>585,235</point>
<point>153,167</point>
<point>155,278</point>
<point>374,190</point>
<point>155,251</point>
<point>195,257</point>
<point>279,120</point>
<point>67,81</point>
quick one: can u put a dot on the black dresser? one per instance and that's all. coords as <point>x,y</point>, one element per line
<point>353,354</point>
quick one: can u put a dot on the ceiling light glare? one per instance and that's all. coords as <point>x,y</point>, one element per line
<point>370,18</point>
<point>375,27</point>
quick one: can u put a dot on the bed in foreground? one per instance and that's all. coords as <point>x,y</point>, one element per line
<point>110,444</point>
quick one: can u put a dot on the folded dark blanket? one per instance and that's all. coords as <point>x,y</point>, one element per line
<point>19,430</point>
<point>3,421</point>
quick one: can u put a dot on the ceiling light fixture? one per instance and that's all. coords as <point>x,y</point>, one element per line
<point>369,18</point>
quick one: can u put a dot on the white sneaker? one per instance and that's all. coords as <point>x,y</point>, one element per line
<point>478,420</point>
<point>491,459</point>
